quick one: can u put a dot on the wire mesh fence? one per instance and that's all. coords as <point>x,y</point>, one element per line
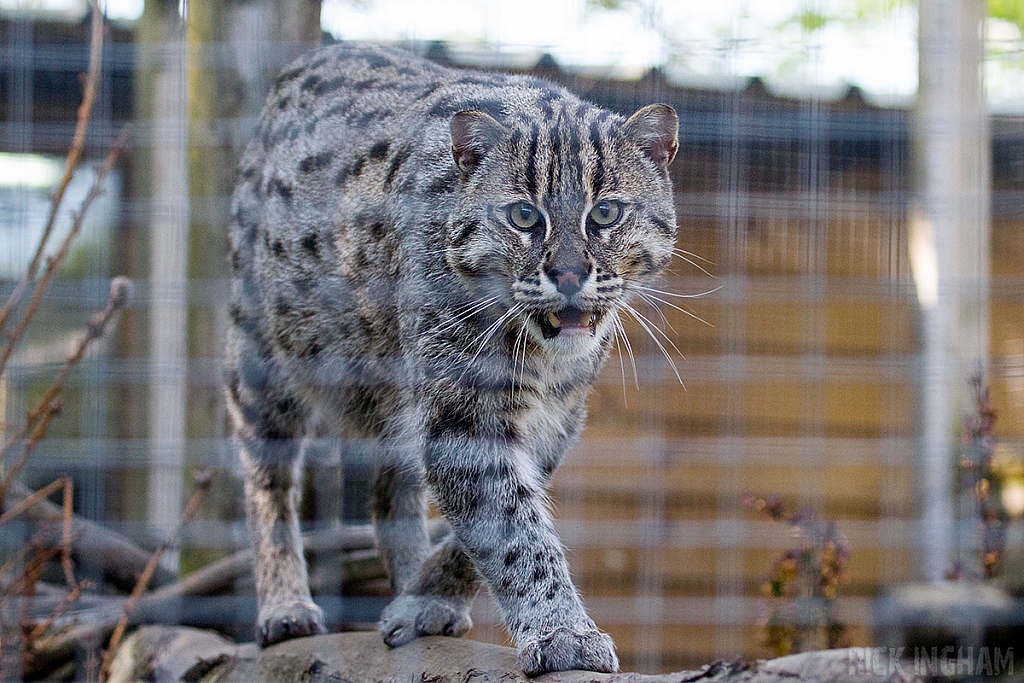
<point>799,351</point>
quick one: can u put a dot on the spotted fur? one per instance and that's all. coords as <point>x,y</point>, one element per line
<point>384,292</point>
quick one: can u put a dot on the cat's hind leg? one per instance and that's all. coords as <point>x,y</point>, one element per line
<point>433,587</point>
<point>399,519</point>
<point>438,601</point>
<point>267,426</point>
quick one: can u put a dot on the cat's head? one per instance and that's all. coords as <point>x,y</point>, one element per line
<point>562,219</point>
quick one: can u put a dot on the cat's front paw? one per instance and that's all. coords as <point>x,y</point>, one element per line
<point>286,620</point>
<point>566,649</point>
<point>411,616</point>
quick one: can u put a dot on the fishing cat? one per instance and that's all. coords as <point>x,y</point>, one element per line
<point>433,261</point>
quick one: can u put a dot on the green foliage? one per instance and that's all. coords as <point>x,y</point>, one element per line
<point>82,260</point>
<point>811,21</point>
<point>854,11</point>
<point>850,13</point>
<point>1007,10</point>
<point>873,9</point>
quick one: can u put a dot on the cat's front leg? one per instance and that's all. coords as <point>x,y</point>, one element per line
<point>488,491</point>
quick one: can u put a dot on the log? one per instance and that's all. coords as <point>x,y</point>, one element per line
<point>357,562</point>
<point>181,654</point>
<point>120,561</point>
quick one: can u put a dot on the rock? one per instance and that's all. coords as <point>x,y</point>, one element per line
<point>166,654</point>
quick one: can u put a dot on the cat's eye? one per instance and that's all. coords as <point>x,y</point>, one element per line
<point>606,214</point>
<point>524,216</point>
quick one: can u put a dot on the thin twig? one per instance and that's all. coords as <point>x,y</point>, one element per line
<point>202,481</point>
<point>74,157</point>
<point>14,561</point>
<point>28,592</point>
<point>355,545</point>
<point>38,557</point>
<point>33,546</point>
<point>39,629</point>
<point>53,407</point>
<point>26,583</point>
<point>54,262</point>
<point>119,560</point>
<point>65,540</point>
<point>33,499</point>
<point>13,639</point>
<point>49,404</point>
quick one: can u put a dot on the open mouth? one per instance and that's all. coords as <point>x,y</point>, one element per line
<point>569,319</point>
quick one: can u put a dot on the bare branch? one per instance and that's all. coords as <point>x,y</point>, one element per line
<point>42,627</point>
<point>74,157</point>
<point>202,481</point>
<point>48,406</point>
<point>188,654</point>
<point>17,559</point>
<point>52,407</point>
<point>54,262</point>
<point>37,556</point>
<point>33,499</point>
<point>354,543</point>
<point>119,561</point>
<point>65,541</point>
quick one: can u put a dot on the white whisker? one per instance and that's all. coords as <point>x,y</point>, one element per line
<point>629,348</point>
<point>515,359</point>
<point>685,256</point>
<point>679,296</point>
<point>622,366</point>
<point>678,308</point>
<point>486,335</point>
<point>660,331</point>
<point>465,312</point>
<point>652,301</point>
<point>684,252</point>
<point>647,325</point>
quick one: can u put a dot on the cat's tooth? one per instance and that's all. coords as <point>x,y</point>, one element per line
<point>554,321</point>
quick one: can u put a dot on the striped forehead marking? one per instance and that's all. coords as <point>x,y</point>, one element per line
<point>568,159</point>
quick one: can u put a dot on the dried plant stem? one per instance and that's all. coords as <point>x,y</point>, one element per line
<point>119,560</point>
<point>14,561</point>
<point>33,499</point>
<point>353,544</point>
<point>12,636</point>
<point>39,629</point>
<point>31,577</point>
<point>54,262</point>
<point>26,582</point>
<point>37,556</point>
<point>74,157</point>
<point>202,480</point>
<point>39,429</point>
<point>65,537</point>
<point>49,405</point>
<point>38,421</point>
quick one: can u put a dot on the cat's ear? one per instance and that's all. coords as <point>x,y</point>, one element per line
<point>656,129</point>
<point>474,134</point>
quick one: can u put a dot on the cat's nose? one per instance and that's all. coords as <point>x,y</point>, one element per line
<point>570,280</point>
